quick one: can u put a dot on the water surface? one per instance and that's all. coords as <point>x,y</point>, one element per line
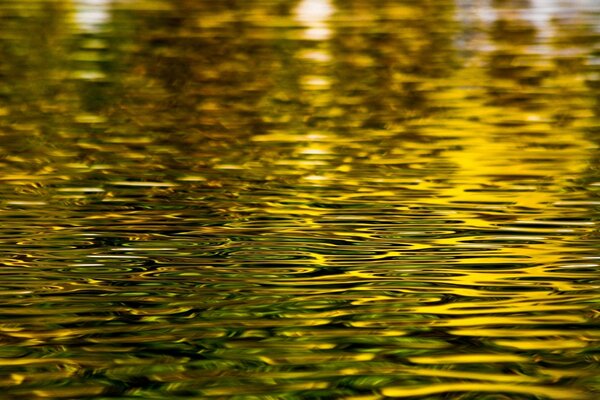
<point>316,199</point>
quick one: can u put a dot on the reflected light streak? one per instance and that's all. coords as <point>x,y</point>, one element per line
<point>314,15</point>
<point>90,15</point>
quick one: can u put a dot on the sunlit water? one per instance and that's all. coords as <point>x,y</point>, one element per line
<point>318,199</point>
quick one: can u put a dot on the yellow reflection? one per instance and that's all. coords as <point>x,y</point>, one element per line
<point>550,392</point>
<point>490,152</point>
<point>316,82</point>
<point>469,358</point>
<point>313,55</point>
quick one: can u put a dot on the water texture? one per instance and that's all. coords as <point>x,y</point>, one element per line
<point>316,199</point>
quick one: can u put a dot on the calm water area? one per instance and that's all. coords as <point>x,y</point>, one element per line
<point>300,199</point>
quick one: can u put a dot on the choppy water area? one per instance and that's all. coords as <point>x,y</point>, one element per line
<point>316,199</point>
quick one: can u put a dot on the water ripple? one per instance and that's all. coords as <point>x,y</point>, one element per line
<point>301,200</point>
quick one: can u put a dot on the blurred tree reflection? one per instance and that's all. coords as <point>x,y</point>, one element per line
<point>206,79</point>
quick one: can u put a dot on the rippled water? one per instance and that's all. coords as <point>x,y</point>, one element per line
<point>271,199</point>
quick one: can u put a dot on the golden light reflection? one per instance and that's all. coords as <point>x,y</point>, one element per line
<point>90,15</point>
<point>328,199</point>
<point>314,15</point>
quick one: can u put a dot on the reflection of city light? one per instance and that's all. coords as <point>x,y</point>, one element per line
<point>91,14</point>
<point>314,14</point>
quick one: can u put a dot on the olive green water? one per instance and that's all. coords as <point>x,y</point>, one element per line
<point>271,199</point>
